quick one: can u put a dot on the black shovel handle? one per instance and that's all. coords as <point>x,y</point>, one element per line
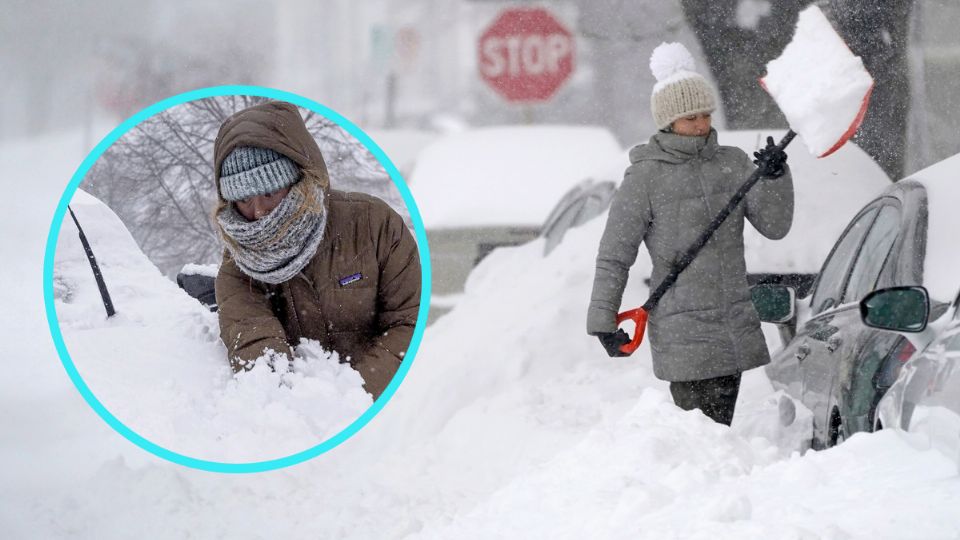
<point>691,253</point>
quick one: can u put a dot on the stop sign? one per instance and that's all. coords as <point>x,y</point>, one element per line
<point>525,54</point>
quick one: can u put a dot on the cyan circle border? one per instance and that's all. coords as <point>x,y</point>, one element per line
<point>215,466</point>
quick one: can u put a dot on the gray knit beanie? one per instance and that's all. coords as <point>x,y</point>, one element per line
<point>680,91</point>
<point>248,171</point>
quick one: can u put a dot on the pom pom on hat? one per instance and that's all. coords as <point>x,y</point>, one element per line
<point>669,59</point>
<point>680,91</point>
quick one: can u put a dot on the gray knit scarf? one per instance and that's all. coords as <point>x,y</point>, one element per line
<point>279,245</point>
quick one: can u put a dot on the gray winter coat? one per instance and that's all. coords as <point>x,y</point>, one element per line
<point>706,325</point>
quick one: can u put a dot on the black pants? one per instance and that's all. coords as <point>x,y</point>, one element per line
<point>715,397</point>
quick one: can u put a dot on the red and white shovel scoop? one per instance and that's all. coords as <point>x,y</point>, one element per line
<point>821,87</point>
<point>823,90</point>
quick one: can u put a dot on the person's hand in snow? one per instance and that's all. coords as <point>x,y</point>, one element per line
<point>612,341</point>
<point>770,160</point>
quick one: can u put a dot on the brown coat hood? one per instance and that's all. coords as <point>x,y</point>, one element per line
<point>276,125</point>
<point>360,293</point>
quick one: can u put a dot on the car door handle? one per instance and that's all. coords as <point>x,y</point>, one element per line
<point>802,352</point>
<point>834,343</point>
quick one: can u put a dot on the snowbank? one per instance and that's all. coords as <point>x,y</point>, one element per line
<point>507,175</point>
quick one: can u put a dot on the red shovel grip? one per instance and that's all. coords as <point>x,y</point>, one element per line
<point>639,316</point>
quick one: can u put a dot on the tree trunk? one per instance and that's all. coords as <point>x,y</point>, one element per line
<point>878,32</point>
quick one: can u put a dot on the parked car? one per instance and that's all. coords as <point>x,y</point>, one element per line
<point>835,364</point>
<point>583,202</point>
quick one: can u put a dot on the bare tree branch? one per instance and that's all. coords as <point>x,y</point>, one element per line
<point>159,177</point>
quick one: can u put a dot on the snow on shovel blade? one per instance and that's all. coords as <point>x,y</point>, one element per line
<point>821,87</point>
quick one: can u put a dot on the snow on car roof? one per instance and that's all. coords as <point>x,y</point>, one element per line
<point>828,192</point>
<point>511,175</point>
<point>942,258</point>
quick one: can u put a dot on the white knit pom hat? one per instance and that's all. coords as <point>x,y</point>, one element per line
<point>680,91</point>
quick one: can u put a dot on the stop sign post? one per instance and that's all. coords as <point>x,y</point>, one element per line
<point>525,54</point>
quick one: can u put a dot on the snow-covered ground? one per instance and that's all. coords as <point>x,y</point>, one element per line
<point>511,423</point>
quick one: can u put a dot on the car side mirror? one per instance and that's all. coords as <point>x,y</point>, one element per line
<point>774,303</point>
<point>901,309</point>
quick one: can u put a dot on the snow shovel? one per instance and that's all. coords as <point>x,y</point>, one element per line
<point>823,90</point>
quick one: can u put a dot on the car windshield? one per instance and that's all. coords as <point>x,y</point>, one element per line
<point>873,254</point>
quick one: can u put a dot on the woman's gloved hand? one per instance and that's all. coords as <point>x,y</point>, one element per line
<point>612,341</point>
<point>770,160</point>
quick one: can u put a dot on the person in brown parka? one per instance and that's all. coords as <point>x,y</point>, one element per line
<point>303,260</point>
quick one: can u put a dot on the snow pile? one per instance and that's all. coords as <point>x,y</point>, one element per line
<point>589,446</point>
<point>158,365</point>
<point>263,412</point>
<point>820,86</point>
<point>507,175</point>
<point>535,307</point>
<point>677,477</point>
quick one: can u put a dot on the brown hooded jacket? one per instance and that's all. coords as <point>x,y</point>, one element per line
<point>358,296</point>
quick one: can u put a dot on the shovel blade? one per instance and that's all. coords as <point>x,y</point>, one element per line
<point>819,84</point>
<point>639,317</point>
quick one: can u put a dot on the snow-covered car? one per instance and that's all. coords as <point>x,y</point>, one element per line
<point>158,364</point>
<point>926,395</point>
<point>583,202</point>
<point>403,145</point>
<point>836,365</point>
<point>490,187</point>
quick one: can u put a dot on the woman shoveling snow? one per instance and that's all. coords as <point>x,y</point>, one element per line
<point>304,261</point>
<point>705,331</point>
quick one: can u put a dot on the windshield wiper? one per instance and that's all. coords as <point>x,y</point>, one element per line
<point>104,294</point>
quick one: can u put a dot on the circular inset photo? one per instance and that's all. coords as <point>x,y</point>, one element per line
<point>233,279</point>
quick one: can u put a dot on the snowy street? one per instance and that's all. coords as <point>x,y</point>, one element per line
<point>505,433</point>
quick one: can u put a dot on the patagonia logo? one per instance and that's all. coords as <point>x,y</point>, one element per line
<point>350,279</point>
